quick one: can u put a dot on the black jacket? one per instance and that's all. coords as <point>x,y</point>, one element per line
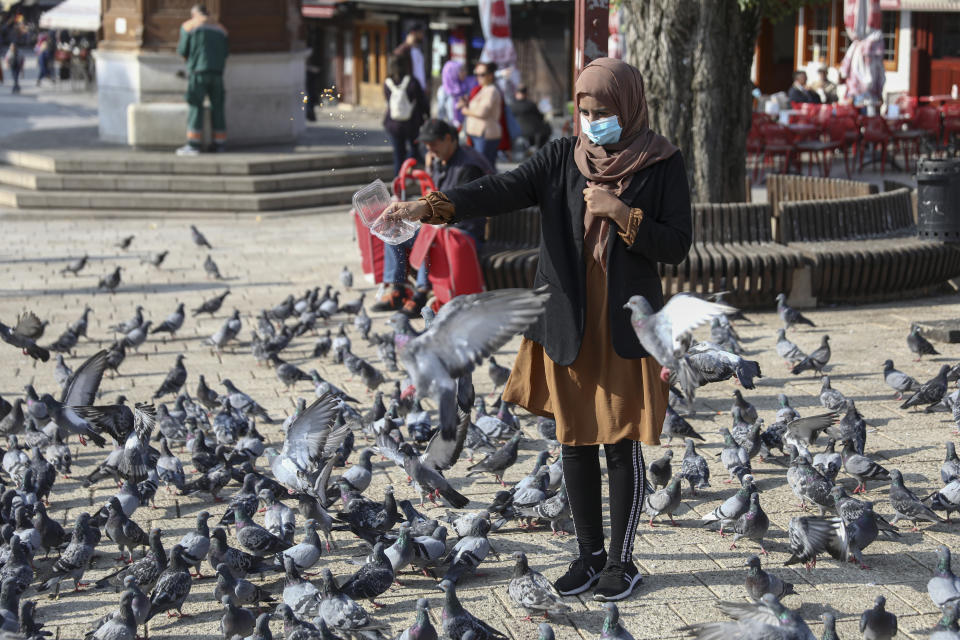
<point>552,180</point>
<point>465,165</point>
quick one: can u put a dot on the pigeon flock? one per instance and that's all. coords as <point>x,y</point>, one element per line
<point>391,475</point>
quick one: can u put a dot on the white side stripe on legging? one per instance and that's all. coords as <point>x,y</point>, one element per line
<point>639,489</point>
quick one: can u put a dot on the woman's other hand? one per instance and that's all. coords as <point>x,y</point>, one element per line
<point>604,204</point>
<point>413,210</point>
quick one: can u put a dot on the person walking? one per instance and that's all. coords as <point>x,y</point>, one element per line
<point>411,55</point>
<point>14,61</point>
<point>614,201</point>
<point>203,44</point>
<point>482,113</point>
<point>45,61</point>
<point>406,109</point>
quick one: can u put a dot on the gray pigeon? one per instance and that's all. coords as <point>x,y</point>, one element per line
<point>918,344</point>
<point>62,372</point>
<point>674,425</point>
<point>733,456</point>
<point>122,625</point>
<point>498,461</point>
<point>748,412</point>
<point>467,329</point>
<point>660,471</point>
<point>471,550</point>
<point>173,322</point>
<point>239,590</point>
<point>123,531</point>
<point>372,579</point>
<point>346,278</point>
<point>344,615</point>
<point>768,620</point>
<point>196,544</point>
<point>531,591</point>
<point>236,621</point>
<point>659,332</point>
<point>944,587</point>
<point>930,392</point>
<point>664,501</point>
<point>787,350</point>
<point>906,505</point>
<point>898,381</point>
<point>74,560</point>
<point>229,330</point>
<point>422,628</point>
<point>212,270</point>
<point>457,622</point>
<point>174,380</point>
<point>809,537</point>
<point>198,238</point>
<point>733,507</point>
<point>862,468</point>
<point>830,398</point>
<point>758,582</point>
<point>612,628</point>
<point>946,499</point>
<point>816,360</point>
<point>950,469</point>
<point>790,316</point>
<point>307,552</point>
<point>110,281</point>
<point>173,585</point>
<point>694,468</point>
<point>256,539</point>
<point>752,525</point>
<point>878,623</point>
<point>212,305</point>
<point>947,627</point>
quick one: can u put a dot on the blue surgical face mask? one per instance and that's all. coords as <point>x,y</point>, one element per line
<point>602,131</point>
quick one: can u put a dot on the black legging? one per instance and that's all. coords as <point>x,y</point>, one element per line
<point>627,473</point>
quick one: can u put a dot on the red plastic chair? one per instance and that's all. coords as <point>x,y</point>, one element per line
<point>454,265</point>
<point>755,146</point>
<point>844,134</point>
<point>927,119</point>
<point>875,134</point>
<point>847,111</point>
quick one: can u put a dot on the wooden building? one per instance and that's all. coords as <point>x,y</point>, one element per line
<point>921,45</point>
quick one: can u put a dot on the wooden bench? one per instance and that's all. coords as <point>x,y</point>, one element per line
<point>733,250</point>
<point>791,188</point>
<point>865,248</point>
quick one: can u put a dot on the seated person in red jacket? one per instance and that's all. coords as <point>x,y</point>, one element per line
<point>449,165</point>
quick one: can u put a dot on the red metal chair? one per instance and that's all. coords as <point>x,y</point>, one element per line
<point>875,133</point>
<point>838,132</point>
<point>846,111</point>
<point>908,106</point>
<point>951,122</point>
<point>755,145</point>
<point>777,141</point>
<point>927,119</point>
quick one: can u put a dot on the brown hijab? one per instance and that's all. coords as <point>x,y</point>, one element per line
<point>619,86</point>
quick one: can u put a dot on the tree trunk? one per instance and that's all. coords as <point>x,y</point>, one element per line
<point>695,56</point>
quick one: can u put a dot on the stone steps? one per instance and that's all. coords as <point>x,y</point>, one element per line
<point>242,183</point>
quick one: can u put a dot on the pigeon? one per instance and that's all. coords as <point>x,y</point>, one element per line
<point>612,628</point>
<point>121,625</point>
<point>660,471</point>
<point>694,468</point>
<point>748,412</point>
<point>173,322</point>
<point>828,462</point>
<point>498,374</point>
<point>947,627</point>
<point>138,335</point>
<point>346,278</point>
<point>123,531</point>
<point>74,560</point>
<point>817,359</point>
<point>862,468</point>
<point>238,590</point>
<point>930,392</point>
<point>194,545</point>
<point>155,259</point>
<point>344,615</point>
<point>79,327</point>
<point>211,268</point>
<point>946,499</point>
<point>212,305</point>
<point>242,402</point>
<point>898,381</point>
<point>758,582</point>
<point>67,420</point>
<point>906,505</point>
<point>236,621</point>
<point>768,619</point>
<point>76,266</point>
<point>422,628</point>
<point>144,571</point>
<point>752,525</point>
<point>733,456</point>
<point>471,550</point>
<point>62,372</point>
<point>64,343</point>
<point>311,440</point>
<point>110,281</point>
<point>709,363</point>
<point>878,623</point>
<point>809,537</point>
<point>733,507</point>
<point>229,330</point>
<point>28,346</point>
<point>172,587</point>
<point>240,563</point>
<point>944,587</point>
<point>257,540</point>
<point>787,350</point>
<point>467,329</point>
<point>279,517</point>
<point>457,622</point>
<point>498,461</point>
<point>531,591</point>
<point>372,579</point>
<point>174,381</point>
<point>287,373</point>
<point>659,332</point>
<point>674,425</point>
<point>664,501</point>
<point>920,345</point>
<point>830,398</point>
<point>950,469</point>
<point>307,553</point>
<point>198,238</point>
<point>125,242</point>
<point>790,316</point>
<point>131,324</point>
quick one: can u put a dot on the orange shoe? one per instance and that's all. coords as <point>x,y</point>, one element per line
<point>392,300</point>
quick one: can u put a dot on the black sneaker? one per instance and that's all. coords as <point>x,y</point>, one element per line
<point>616,582</point>
<point>582,574</point>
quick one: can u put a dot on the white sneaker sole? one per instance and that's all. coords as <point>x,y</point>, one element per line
<point>637,579</point>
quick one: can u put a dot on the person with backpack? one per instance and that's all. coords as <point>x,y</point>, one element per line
<point>14,62</point>
<point>406,108</point>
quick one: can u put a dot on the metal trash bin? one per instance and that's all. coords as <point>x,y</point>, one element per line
<point>938,199</point>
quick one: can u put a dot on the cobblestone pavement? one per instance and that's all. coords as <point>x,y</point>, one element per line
<point>688,568</point>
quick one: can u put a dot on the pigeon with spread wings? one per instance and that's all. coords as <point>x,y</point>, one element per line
<point>466,331</point>
<point>312,439</point>
<point>659,332</point>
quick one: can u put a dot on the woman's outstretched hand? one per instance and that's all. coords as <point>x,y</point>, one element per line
<point>604,204</point>
<point>412,210</point>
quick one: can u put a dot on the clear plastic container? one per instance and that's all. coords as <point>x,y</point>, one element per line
<point>370,202</point>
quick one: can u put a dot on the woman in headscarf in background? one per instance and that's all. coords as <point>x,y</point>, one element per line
<point>614,201</point>
<point>452,88</point>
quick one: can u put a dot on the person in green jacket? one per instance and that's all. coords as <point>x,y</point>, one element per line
<point>203,44</point>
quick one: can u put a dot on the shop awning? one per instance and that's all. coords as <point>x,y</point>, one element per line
<point>73,15</point>
<point>921,5</point>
